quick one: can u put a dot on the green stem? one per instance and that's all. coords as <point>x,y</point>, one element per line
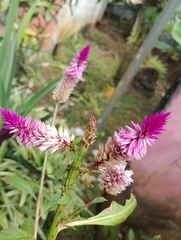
<point>55,113</point>
<point>37,216</point>
<point>71,179</point>
<point>39,195</point>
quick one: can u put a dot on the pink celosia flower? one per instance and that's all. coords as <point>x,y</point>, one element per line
<point>114,179</point>
<point>17,125</point>
<point>133,141</point>
<point>109,154</point>
<point>48,138</point>
<point>71,76</point>
<point>78,65</point>
<point>36,133</point>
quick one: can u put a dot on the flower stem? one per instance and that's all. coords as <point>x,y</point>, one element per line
<point>55,113</point>
<point>39,195</point>
<point>71,179</point>
<point>42,182</point>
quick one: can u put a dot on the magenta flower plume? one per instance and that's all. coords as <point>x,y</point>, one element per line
<point>133,141</point>
<point>17,125</point>
<point>114,179</point>
<point>71,76</point>
<point>78,65</point>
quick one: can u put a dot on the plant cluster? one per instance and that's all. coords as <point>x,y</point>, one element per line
<point>111,161</point>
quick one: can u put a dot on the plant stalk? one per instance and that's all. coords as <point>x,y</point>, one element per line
<point>71,179</point>
<point>42,182</point>
<point>39,195</point>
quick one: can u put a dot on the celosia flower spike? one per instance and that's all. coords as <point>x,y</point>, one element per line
<point>36,133</point>
<point>71,76</point>
<point>89,136</point>
<point>48,138</point>
<point>109,154</point>
<point>114,179</point>
<point>17,125</point>
<point>78,65</point>
<point>133,141</point>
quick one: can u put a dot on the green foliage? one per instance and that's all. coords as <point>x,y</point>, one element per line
<point>176,32</point>
<point>111,216</point>
<point>15,234</point>
<point>155,63</point>
<point>130,235</point>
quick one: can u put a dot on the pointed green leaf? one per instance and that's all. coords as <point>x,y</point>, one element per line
<point>176,32</point>
<point>99,200</point>
<point>10,68</point>
<point>53,202</point>
<point>14,234</point>
<point>28,226</point>
<point>162,45</point>
<point>24,23</point>
<point>11,19</point>
<point>65,199</point>
<point>76,141</point>
<point>131,235</point>
<point>19,183</point>
<point>35,99</point>
<point>111,216</point>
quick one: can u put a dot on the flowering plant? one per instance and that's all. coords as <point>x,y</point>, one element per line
<point>111,161</point>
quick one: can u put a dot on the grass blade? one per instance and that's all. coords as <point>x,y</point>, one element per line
<point>24,23</point>
<point>35,99</point>
<point>9,27</point>
<point>10,68</point>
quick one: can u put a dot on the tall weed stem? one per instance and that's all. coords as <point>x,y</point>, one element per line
<point>42,182</point>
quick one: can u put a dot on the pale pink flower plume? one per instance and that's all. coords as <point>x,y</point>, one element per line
<point>71,76</point>
<point>48,138</point>
<point>109,154</point>
<point>133,141</point>
<point>36,133</point>
<point>114,179</point>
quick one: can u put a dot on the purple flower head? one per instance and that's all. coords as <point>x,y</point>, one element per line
<point>78,64</point>
<point>17,125</point>
<point>71,76</point>
<point>114,179</point>
<point>133,141</point>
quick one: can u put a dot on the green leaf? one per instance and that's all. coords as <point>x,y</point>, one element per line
<point>99,200</point>
<point>28,226</point>
<point>14,234</point>
<point>176,32</point>
<point>162,45</point>
<point>19,183</point>
<point>75,142</point>
<point>65,199</point>
<point>9,27</point>
<point>53,202</point>
<point>2,95</point>
<point>24,23</point>
<point>35,99</point>
<point>10,68</point>
<point>111,216</point>
<point>131,235</point>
